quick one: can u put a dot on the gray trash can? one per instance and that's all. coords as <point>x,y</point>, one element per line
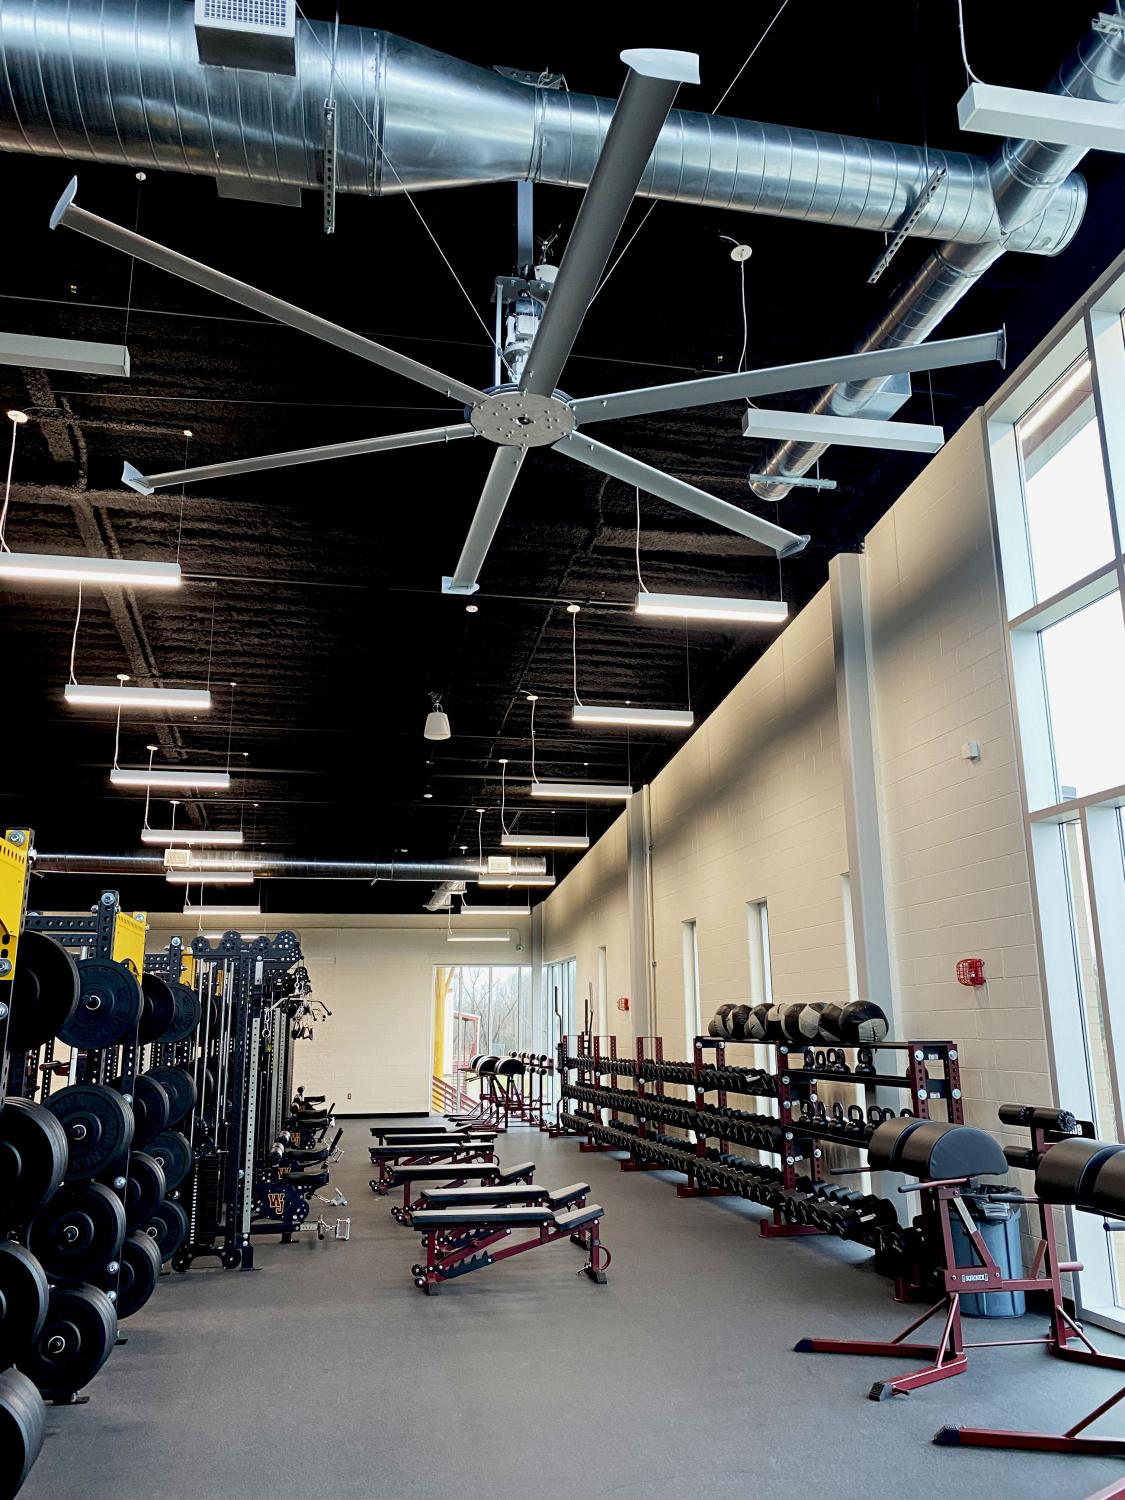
<point>999,1226</point>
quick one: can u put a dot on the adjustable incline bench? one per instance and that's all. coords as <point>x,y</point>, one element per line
<point>416,1180</point>
<point>463,1222</point>
<point>423,1150</point>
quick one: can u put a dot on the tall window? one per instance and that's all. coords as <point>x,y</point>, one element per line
<point>692,1018</point>
<point>603,993</point>
<point>758,934</point>
<point>486,1009</point>
<point>1058,481</point>
<point>849,936</point>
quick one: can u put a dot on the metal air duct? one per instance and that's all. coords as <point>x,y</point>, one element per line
<point>1026,175</point>
<point>120,81</point>
<point>285,869</point>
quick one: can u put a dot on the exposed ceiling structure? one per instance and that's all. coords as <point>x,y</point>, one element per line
<point>317,588</point>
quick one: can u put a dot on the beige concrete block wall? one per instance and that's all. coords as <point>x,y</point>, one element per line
<point>587,911</point>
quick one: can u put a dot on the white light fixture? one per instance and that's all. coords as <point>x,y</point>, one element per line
<point>157,776</point>
<point>494,911</point>
<point>437,721</point>
<point>53,567</point>
<point>478,937</point>
<point>34,352</point>
<point>637,718</point>
<point>210,877</point>
<point>848,432</point>
<point>228,837</point>
<point>1055,119</point>
<point>712,607</point>
<point>222,911</point>
<point>95,695</point>
<point>582,791</point>
<point>544,841</point>
<point>515,880</point>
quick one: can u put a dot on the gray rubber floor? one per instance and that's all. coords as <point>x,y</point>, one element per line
<point>325,1373</point>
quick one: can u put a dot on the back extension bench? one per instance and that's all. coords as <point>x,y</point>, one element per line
<point>457,1151</point>
<point>457,1238</point>
<point>415,1180</point>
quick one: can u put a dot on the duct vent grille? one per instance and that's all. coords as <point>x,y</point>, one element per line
<point>275,14</point>
<point>255,34</point>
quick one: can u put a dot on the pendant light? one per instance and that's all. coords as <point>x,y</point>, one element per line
<point>611,714</point>
<point>437,720</point>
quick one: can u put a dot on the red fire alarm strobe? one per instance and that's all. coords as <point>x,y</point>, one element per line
<point>623,1003</point>
<point>970,971</point>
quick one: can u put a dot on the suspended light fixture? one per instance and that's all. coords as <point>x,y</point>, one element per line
<point>230,838</point>
<point>478,937</point>
<point>34,567</point>
<point>848,432</point>
<point>223,911</point>
<point>162,777</point>
<point>437,720</point>
<point>514,879</point>
<point>582,791</point>
<point>1056,119</point>
<point>495,911</point>
<point>544,841</point>
<point>97,695</point>
<point>210,877</point>
<point>712,607</point>
<point>607,713</point>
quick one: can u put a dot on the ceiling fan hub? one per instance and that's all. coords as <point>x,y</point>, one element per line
<point>520,419</point>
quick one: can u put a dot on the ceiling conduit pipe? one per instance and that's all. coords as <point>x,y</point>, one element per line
<point>120,81</point>
<point>1025,174</point>
<point>285,869</point>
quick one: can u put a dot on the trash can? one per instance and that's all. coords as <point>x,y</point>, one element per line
<point>999,1227</point>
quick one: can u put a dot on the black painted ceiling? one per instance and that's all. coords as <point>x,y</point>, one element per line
<point>316,589</point>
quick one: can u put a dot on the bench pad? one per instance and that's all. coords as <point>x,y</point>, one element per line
<point>579,1216</point>
<point>560,1197</point>
<point>459,1197</point>
<point>481,1218</point>
<point>521,1169</point>
<point>392,1153</point>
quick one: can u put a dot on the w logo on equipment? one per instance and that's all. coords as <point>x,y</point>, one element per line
<point>277,1204</point>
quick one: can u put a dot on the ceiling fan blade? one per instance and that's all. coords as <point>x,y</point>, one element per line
<point>588,450</point>
<point>145,483</point>
<point>490,507</point>
<point>650,87</point>
<point>977,348</point>
<point>67,212</point>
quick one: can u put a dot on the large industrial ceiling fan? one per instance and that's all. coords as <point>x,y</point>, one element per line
<point>533,412</point>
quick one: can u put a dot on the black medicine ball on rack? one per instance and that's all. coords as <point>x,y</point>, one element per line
<point>756,1023</point>
<point>862,1023</point>
<point>830,1022</point>
<point>737,1019</point>
<point>717,1026</point>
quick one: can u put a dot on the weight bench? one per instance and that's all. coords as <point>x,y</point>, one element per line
<point>438,1175</point>
<point>425,1153</point>
<point>395,1132</point>
<point>457,1239</point>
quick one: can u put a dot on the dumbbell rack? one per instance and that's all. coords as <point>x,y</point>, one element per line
<point>792,1081</point>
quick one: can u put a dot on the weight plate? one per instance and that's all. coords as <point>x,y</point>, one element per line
<point>158,1008</point>
<point>75,1341</point>
<point>173,1151</point>
<point>179,1085</point>
<point>33,1157</point>
<point>98,1125</point>
<point>44,994</point>
<point>22,1418</point>
<point>140,1271</point>
<point>168,1228</point>
<point>79,1232</point>
<point>144,1191</point>
<point>151,1107</point>
<point>186,1017</point>
<point>23,1300</point>
<point>109,1005</point>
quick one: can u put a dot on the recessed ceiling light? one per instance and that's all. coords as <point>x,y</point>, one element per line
<point>428,796</point>
<point>471,609</point>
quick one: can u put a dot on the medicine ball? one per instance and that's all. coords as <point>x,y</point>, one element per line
<point>717,1024</point>
<point>756,1024</point>
<point>830,1022</point>
<point>790,1022</point>
<point>736,1022</point>
<point>862,1023</point>
<point>808,1022</point>
<point>775,1031</point>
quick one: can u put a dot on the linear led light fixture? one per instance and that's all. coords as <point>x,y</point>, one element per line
<point>35,353</point>
<point>210,877</point>
<point>228,837</point>
<point>637,718</point>
<point>478,937</point>
<point>223,911</point>
<point>53,567</point>
<point>157,776</point>
<point>544,841</point>
<point>583,791</point>
<point>515,880</point>
<point>95,695</point>
<point>1055,119</point>
<point>849,432</point>
<point>713,607</point>
<point>495,911</point>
